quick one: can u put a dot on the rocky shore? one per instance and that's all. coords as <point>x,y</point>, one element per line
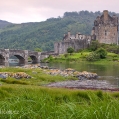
<point>86,80</point>
<point>17,75</point>
<point>67,72</point>
<point>71,72</point>
<point>84,84</point>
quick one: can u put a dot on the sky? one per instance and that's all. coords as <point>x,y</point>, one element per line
<point>21,11</point>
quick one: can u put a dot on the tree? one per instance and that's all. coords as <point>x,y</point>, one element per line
<point>94,45</point>
<point>70,50</point>
<point>93,56</point>
<point>37,49</point>
<point>102,53</point>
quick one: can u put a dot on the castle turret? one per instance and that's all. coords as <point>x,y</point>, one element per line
<point>105,13</point>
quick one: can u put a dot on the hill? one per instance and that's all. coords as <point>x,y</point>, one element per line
<point>4,24</point>
<point>44,34</point>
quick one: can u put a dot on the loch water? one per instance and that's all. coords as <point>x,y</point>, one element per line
<point>108,72</point>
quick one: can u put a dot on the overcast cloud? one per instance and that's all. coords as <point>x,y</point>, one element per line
<point>18,11</point>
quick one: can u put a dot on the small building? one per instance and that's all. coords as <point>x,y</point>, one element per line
<point>105,28</point>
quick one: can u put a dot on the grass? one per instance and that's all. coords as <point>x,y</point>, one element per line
<point>25,99</point>
<point>38,77</point>
<point>33,102</point>
<point>78,57</point>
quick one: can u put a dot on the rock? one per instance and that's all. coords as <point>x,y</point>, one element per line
<point>3,76</point>
<point>19,75</point>
<point>44,67</point>
<point>87,75</point>
<point>14,75</point>
<point>71,72</point>
<point>69,69</point>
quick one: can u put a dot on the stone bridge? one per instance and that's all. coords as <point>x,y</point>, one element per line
<point>22,55</point>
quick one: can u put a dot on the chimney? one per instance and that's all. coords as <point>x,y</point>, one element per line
<point>77,36</point>
<point>69,34</point>
<point>105,13</point>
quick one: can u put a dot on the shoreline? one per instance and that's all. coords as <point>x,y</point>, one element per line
<point>84,85</point>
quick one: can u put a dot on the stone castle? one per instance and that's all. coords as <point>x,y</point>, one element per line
<point>105,30</point>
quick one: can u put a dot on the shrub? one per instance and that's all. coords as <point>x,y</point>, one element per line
<point>70,50</point>
<point>94,45</point>
<point>66,55</point>
<point>50,57</point>
<point>93,56</point>
<point>102,53</point>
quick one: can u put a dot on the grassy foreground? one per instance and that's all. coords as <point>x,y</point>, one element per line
<point>31,101</point>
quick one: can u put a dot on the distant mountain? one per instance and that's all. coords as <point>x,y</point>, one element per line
<point>44,34</point>
<point>4,24</point>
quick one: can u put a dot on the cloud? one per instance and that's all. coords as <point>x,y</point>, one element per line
<point>37,10</point>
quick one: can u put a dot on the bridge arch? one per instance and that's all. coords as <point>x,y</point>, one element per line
<point>20,58</point>
<point>33,58</point>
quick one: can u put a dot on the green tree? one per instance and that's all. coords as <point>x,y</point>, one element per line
<point>94,45</point>
<point>37,49</point>
<point>102,53</point>
<point>93,56</point>
<point>70,50</point>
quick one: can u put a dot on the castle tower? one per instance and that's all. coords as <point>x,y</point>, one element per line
<point>105,13</point>
<point>106,28</point>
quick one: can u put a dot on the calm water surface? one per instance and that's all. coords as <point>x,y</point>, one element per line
<point>108,72</point>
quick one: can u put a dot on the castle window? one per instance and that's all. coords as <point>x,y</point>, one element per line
<point>105,32</point>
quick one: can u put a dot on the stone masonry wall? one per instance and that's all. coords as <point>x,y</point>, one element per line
<point>106,28</point>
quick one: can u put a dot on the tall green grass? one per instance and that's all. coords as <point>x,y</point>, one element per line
<point>33,102</point>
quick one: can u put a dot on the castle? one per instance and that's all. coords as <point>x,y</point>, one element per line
<point>105,30</point>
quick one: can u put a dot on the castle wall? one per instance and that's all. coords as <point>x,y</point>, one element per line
<point>61,47</point>
<point>107,35</point>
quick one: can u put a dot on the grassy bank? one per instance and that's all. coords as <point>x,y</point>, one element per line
<point>38,77</point>
<point>78,57</point>
<point>27,99</point>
